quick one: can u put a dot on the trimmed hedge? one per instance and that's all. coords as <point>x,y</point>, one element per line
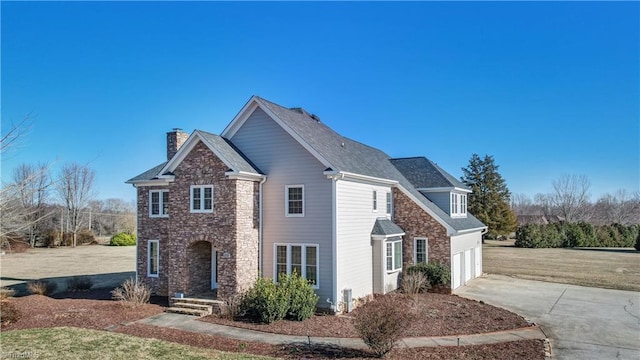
<point>123,239</point>
<point>291,298</point>
<point>576,235</point>
<point>437,273</point>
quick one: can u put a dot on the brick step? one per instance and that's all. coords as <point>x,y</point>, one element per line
<point>188,311</point>
<point>209,302</point>
<point>207,308</point>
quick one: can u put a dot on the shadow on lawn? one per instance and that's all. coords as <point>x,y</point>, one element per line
<point>611,250</point>
<point>100,281</point>
<point>321,351</point>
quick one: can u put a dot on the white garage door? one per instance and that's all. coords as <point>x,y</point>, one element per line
<point>455,275</point>
<point>467,265</point>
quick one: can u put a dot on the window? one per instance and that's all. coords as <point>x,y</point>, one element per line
<point>375,200</point>
<point>420,250</point>
<point>294,201</point>
<point>303,259</point>
<point>458,205</point>
<point>159,203</point>
<point>388,203</point>
<point>454,204</point>
<point>463,204</point>
<point>201,198</point>
<point>394,255</point>
<point>153,255</point>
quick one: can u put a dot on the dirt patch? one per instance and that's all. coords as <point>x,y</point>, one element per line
<point>436,315</point>
<point>612,268</point>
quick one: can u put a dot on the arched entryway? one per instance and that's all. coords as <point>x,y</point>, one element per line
<point>202,267</point>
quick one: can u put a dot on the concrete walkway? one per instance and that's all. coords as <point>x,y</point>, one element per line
<point>189,323</point>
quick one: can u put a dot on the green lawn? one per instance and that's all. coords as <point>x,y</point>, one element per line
<point>75,343</point>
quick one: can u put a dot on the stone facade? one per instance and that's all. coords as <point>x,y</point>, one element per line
<point>418,223</point>
<point>187,239</point>
<point>175,139</point>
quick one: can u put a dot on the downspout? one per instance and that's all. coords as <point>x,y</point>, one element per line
<point>260,228</point>
<point>334,240</point>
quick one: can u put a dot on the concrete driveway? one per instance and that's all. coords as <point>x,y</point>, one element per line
<point>581,322</point>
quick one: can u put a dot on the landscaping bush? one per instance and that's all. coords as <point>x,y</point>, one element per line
<point>231,308</point>
<point>132,293</point>
<point>79,283</point>
<point>40,287</point>
<point>638,242</point>
<point>301,297</point>
<point>123,239</point>
<point>85,237</point>
<point>266,302</point>
<point>572,235</point>
<point>436,272</point>
<point>382,322</point>
<point>6,293</point>
<point>9,313</point>
<point>415,283</point>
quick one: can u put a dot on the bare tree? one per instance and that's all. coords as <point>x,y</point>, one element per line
<point>622,207</point>
<point>15,132</point>
<point>31,183</point>
<point>75,190</point>
<point>571,197</point>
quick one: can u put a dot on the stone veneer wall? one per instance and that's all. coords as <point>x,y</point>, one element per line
<point>151,229</point>
<point>418,223</point>
<point>232,229</point>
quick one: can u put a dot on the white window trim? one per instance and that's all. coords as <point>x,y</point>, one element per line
<point>149,274</point>
<point>415,249</point>
<point>202,209</point>
<point>161,203</point>
<point>286,201</point>
<point>374,198</point>
<point>395,266</point>
<point>458,211</point>
<point>389,203</point>
<point>304,261</point>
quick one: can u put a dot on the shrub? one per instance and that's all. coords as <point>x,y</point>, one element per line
<point>6,293</point>
<point>41,287</point>
<point>528,236</point>
<point>638,242</point>
<point>79,283</point>
<point>436,272</point>
<point>415,283</point>
<point>266,302</point>
<point>231,308</point>
<point>8,312</point>
<point>85,237</point>
<point>123,239</point>
<point>132,292</point>
<point>302,299</point>
<point>382,322</point>
<point>14,243</point>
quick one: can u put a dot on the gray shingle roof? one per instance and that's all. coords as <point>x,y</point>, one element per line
<point>348,155</point>
<point>424,173</point>
<point>237,160</point>
<point>148,175</point>
<point>386,227</point>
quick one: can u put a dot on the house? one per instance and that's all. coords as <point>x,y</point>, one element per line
<point>278,191</point>
<point>539,219</point>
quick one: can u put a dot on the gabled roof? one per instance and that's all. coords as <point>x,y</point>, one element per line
<point>341,154</point>
<point>423,173</point>
<point>385,227</point>
<point>231,156</point>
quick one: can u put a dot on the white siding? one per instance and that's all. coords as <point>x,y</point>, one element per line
<point>286,162</point>
<point>355,220</point>
<point>467,248</point>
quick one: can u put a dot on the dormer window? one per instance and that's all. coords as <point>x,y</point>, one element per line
<point>458,205</point>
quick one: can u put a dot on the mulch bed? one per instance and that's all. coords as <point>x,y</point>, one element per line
<point>85,312</point>
<point>435,315</point>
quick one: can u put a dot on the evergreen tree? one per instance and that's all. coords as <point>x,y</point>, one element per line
<point>489,201</point>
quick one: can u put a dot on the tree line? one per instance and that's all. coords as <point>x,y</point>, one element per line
<point>38,204</point>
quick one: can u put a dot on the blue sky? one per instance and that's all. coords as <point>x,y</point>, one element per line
<point>547,88</point>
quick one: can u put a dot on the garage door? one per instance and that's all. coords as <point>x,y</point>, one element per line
<point>455,275</point>
<point>467,266</point>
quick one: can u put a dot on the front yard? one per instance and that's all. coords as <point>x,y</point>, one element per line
<point>613,268</point>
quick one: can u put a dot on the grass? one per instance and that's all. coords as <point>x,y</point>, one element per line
<point>612,268</point>
<point>74,343</point>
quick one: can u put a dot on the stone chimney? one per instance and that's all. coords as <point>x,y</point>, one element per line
<point>175,139</point>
